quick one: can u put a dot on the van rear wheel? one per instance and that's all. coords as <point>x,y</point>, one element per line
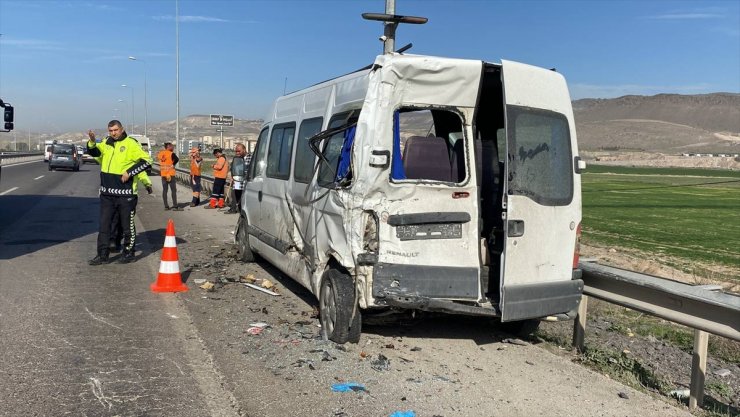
<point>242,241</point>
<point>336,306</point>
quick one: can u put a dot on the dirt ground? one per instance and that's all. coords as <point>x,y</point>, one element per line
<point>434,366</point>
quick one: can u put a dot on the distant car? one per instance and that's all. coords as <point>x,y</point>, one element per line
<point>87,158</point>
<point>64,156</point>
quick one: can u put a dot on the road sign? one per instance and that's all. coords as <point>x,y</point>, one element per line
<point>222,120</point>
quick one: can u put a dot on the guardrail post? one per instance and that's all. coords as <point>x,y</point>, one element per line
<point>579,328</point>
<point>698,369</point>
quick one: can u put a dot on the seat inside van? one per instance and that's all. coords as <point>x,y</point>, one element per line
<point>426,158</point>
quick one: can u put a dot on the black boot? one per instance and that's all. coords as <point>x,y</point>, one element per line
<point>127,257</point>
<point>101,259</point>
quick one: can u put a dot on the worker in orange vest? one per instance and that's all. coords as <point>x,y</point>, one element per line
<point>220,170</point>
<point>195,162</point>
<point>167,161</point>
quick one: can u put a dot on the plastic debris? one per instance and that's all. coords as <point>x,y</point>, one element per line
<point>722,372</point>
<point>199,281</point>
<point>254,331</point>
<point>259,324</point>
<point>517,342</point>
<point>407,413</point>
<point>381,364</point>
<point>264,290</point>
<point>347,387</point>
<point>680,393</point>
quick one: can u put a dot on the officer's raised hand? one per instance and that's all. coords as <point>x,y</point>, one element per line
<point>91,135</point>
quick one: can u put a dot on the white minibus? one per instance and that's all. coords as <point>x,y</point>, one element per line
<point>422,183</point>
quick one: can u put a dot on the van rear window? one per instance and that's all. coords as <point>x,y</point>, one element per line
<point>539,155</point>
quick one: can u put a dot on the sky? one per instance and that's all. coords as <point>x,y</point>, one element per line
<point>62,63</point>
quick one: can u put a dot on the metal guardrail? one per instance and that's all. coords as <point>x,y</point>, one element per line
<point>183,176</point>
<point>702,308</point>
<point>6,157</point>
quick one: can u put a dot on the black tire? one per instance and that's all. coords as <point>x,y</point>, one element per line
<point>244,251</point>
<point>521,328</point>
<point>336,306</point>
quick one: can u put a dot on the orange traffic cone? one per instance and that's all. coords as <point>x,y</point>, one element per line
<point>169,279</point>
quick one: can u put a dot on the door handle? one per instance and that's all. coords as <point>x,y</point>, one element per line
<point>515,228</point>
<point>259,195</point>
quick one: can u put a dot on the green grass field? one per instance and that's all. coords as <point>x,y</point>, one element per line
<point>687,214</point>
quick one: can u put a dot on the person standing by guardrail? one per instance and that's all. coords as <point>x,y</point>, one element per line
<point>220,170</point>
<point>195,162</point>
<point>238,177</point>
<point>121,160</point>
<point>167,161</point>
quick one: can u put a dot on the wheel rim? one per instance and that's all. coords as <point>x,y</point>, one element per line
<point>328,308</point>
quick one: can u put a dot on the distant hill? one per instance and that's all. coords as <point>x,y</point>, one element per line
<point>668,123</point>
<point>665,123</point>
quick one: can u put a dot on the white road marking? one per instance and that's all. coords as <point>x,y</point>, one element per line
<point>39,177</point>
<point>9,191</point>
<point>15,164</point>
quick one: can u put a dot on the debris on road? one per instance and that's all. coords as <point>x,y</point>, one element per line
<point>208,286</point>
<point>199,281</point>
<point>624,395</point>
<point>348,386</point>
<point>381,364</point>
<point>264,290</point>
<point>722,372</point>
<point>513,341</point>
<point>407,413</point>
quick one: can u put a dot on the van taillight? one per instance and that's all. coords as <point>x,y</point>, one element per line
<point>577,250</point>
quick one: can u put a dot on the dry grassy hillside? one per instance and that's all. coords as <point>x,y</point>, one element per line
<point>667,123</point>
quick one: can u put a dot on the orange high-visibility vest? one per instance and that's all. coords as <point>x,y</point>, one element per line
<point>166,164</point>
<point>220,171</point>
<point>195,167</point>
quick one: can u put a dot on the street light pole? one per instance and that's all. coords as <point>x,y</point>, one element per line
<point>133,117</point>
<point>120,100</point>
<point>177,71</point>
<point>146,111</point>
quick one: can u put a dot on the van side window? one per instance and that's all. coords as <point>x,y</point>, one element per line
<point>429,145</point>
<point>257,164</point>
<point>540,156</point>
<point>333,149</point>
<point>280,151</point>
<point>304,157</point>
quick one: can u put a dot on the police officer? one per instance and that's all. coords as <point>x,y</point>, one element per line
<point>121,160</point>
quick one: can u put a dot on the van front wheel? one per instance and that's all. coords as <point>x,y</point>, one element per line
<point>336,306</point>
<point>242,241</point>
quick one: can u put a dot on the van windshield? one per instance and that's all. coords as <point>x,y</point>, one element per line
<point>539,156</point>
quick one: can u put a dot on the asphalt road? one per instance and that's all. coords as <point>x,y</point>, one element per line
<point>94,341</point>
<point>78,340</point>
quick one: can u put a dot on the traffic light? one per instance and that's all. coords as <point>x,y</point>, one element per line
<point>8,117</point>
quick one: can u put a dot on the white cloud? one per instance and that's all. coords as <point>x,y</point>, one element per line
<point>192,19</point>
<point>36,44</point>
<point>685,16</point>
<point>579,91</point>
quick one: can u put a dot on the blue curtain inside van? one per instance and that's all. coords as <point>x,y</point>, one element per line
<point>397,171</point>
<point>346,154</point>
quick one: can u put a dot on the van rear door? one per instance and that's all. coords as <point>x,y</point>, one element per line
<point>542,202</point>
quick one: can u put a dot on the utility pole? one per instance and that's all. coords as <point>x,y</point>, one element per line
<point>390,22</point>
<point>177,71</point>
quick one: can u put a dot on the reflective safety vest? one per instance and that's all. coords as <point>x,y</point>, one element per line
<point>166,163</point>
<point>195,166</point>
<point>115,158</point>
<point>221,168</point>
